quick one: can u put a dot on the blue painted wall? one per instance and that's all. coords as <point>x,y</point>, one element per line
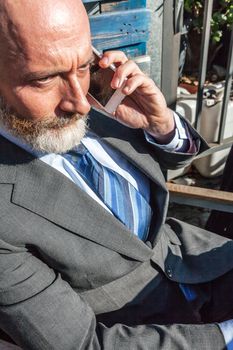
<point>120,25</point>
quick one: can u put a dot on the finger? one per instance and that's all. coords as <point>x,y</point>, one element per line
<point>126,70</point>
<point>139,80</point>
<point>112,57</point>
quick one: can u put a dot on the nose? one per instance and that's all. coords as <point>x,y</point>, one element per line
<point>73,98</point>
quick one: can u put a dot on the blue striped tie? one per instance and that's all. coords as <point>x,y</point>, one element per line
<point>124,201</point>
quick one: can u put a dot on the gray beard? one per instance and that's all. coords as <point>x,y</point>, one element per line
<point>50,135</point>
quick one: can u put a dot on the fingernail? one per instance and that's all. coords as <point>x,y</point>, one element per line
<point>126,90</point>
<point>117,83</point>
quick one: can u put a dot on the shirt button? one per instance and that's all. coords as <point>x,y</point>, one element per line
<point>169,272</point>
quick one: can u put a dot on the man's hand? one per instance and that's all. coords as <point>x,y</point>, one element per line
<point>146,107</point>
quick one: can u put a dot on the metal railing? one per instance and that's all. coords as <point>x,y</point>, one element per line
<point>172,31</point>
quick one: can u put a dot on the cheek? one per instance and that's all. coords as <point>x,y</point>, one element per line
<point>35,104</point>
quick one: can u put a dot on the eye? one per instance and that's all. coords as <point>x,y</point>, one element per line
<point>43,81</point>
<point>85,69</point>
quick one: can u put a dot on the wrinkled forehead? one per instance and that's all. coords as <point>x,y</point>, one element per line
<point>64,41</point>
<point>37,27</point>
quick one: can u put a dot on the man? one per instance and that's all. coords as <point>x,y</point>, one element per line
<point>76,272</point>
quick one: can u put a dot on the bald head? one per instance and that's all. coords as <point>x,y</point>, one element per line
<point>27,24</point>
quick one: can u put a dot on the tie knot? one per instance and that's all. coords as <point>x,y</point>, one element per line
<point>75,154</point>
<point>80,149</point>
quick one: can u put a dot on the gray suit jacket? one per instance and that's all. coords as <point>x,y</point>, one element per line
<point>73,277</point>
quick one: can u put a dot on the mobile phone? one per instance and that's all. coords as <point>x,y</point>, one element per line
<point>101,95</point>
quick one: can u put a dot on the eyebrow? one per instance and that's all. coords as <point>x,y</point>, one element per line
<point>30,76</point>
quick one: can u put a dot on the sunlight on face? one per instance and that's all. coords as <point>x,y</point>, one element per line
<point>60,17</point>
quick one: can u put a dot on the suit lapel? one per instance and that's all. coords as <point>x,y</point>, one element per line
<point>59,200</point>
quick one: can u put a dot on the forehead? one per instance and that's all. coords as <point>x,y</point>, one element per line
<point>61,54</point>
<point>49,38</point>
<point>58,48</point>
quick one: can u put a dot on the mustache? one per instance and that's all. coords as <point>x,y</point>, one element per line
<point>36,127</point>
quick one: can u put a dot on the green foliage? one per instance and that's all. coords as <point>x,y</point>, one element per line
<point>222,16</point>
